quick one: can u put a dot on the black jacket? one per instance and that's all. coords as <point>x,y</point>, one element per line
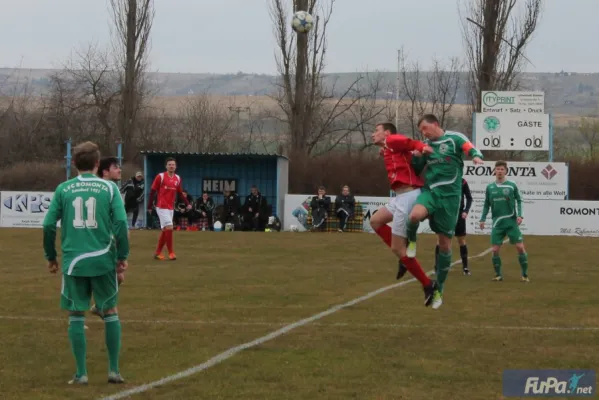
<point>257,203</point>
<point>133,191</point>
<point>466,201</point>
<point>324,203</point>
<point>232,205</point>
<point>206,207</point>
<point>347,203</point>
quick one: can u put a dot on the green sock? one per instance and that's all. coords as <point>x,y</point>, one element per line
<point>78,343</point>
<point>497,265</point>
<point>112,327</point>
<point>444,264</point>
<point>412,229</point>
<point>523,259</point>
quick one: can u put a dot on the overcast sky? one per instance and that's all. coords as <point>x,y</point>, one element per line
<point>222,36</point>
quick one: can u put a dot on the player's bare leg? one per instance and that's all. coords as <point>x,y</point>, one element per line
<point>496,260</point>
<point>78,347</point>
<point>417,215</point>
<point>444,263</point>
<point>169,242</point>
<point>379,222</point>
<point>523,260</point>
<point>398,245</point>
<point>112,328</point>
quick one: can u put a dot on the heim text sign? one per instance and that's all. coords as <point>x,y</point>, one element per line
<point>512,131</point>
<point>513,102</point>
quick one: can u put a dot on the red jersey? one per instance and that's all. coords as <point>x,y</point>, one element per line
<point>397,153</point>
<point>167,188</point>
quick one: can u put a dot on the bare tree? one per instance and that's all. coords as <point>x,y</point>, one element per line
<point>588,129</point>
<point>206,124</point>
<point>87,85</point>
<point>310,109</point>
<point>425,92</point>
<point>496,36</point>
<point>132,24</point>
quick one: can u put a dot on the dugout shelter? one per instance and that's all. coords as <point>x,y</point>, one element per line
<point>215,172</point>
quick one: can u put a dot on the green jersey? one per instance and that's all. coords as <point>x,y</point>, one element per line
<point>92,216</point>
<point>504,201</point>
<point>444,168</point>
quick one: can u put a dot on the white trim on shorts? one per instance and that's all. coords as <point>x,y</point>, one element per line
<point>400,206</point>
<point>165,216</point>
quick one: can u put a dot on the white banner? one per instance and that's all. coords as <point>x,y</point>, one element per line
<point>28,210</point>
<point>24,209</point>
<point>513,102</point>
<point>536,180</point>
<point>541,217</point>
<point>506,131</point>
<point>297,206</point>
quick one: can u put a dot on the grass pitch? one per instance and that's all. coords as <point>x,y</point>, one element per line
<point>231,288</point>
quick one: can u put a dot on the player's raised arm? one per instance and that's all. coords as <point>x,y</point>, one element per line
<point>120,226</point>
<point>400,142</point>
<point>467,146</point>
<point>52,217</point>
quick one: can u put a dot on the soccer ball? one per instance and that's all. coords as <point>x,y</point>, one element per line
<point>302,22</point>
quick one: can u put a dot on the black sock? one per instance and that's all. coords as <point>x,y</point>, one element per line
<point>464,255</point>
<point>436,257</point>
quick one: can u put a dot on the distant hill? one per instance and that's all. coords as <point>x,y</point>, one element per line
<point>566,93</point>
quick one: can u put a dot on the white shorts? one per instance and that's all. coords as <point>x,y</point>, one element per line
<point>400,206</point>
<point>165,216</point>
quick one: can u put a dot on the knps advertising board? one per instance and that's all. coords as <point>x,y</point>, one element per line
<point>24,209</point>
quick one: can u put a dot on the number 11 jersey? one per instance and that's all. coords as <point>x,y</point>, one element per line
<point>92,216</point>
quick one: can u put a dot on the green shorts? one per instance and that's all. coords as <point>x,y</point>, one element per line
<point>77,292</point>
<point>506,228</point>
<point>443,212</point>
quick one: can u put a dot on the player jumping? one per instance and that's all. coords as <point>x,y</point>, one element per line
<point>396,150</point>
<point>166,185</point>
<point>91,212</point>
<point>502,197</point>
<point>441,195</point>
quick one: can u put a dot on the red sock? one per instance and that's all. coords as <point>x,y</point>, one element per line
<point>169,241</point>
<point>416,270</point>
<point>160,243</point>
<point>385,233</point>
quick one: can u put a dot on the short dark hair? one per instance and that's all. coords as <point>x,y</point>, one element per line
<point>501,163</point>
<point>430,118</point>
<point>322,188</point>
<point>105,164</point>
<point>169,160</point>
<point>388,126</point>
<point>86,156</point>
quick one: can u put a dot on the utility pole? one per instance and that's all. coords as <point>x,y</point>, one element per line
<point>239,110</point>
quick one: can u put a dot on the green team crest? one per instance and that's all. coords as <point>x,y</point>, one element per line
<point>491,124</point>
<point>443,148</point>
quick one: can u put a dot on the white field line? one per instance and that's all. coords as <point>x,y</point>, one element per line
<point>273,335</point>
<point>97,321</point>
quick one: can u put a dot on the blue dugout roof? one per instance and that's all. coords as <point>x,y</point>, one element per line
<point>183,153</point>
